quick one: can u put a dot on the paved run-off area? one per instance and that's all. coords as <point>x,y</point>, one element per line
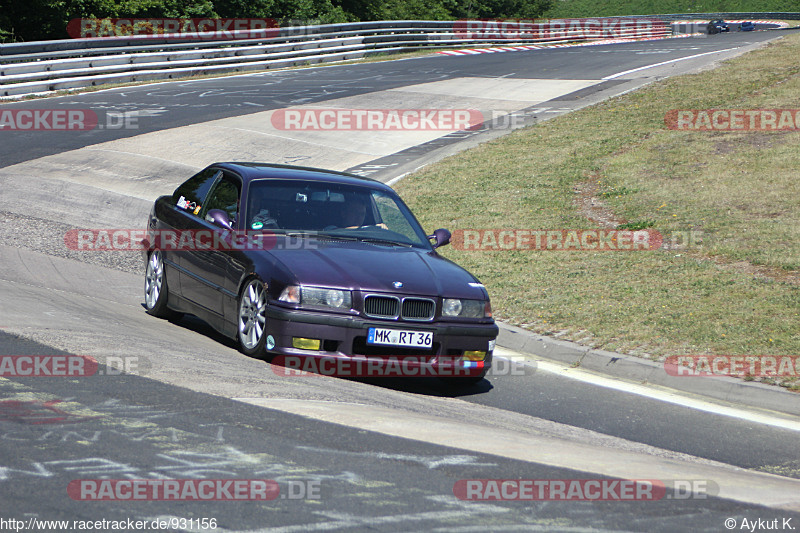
<point>91,305</point>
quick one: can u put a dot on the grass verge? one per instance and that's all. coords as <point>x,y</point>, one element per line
<point>610,8</point>
<point>736,293</point>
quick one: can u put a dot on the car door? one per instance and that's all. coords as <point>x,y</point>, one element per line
<point>179,215</point>
<point>205,268</point>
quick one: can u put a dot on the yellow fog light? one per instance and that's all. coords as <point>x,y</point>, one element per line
<point>473,355</point>
<point>305,344</point>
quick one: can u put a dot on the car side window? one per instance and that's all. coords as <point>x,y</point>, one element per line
<point>225,196</point>
<point>191,195</point>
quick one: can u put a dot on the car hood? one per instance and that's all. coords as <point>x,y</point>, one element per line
<point>372,267</point>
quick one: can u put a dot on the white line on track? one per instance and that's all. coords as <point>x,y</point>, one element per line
<point>618,74</point>
<point>660,394</point>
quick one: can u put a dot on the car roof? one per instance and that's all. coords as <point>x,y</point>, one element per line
<point>252,171</point>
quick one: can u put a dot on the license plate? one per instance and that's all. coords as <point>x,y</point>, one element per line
<point>396,337</point>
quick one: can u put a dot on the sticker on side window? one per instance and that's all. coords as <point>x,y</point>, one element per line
<point>183,203</point>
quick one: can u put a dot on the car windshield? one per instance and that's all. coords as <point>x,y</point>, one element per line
<point>332,210</point>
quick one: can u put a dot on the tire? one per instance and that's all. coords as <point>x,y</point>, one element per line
<point>252,318</point>
<point>156,292</point>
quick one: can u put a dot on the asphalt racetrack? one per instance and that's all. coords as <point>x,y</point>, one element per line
<point>345,455</point>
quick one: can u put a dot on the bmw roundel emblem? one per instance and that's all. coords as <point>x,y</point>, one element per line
<point>397,284</point>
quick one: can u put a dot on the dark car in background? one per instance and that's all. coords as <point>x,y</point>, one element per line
<point>747,26</point>
<point>717,26</point>
<point>311,263</point>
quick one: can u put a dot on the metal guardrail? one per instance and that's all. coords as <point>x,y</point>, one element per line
<point>287,32</point>
<point>52,65</point>
<point>44,66</point>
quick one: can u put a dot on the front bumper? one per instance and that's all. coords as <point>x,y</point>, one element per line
<point>343,340</point>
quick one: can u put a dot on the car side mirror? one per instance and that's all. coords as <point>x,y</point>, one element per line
<point>220,218</point>
<point>440,237</point>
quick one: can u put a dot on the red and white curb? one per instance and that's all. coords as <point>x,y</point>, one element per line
<point>472,51</point>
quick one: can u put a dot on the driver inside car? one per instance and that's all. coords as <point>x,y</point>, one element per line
<point>262,219</point>
<point>354,214</point>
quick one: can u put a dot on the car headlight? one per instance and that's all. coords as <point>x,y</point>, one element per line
<point>317,297</point>
<point>465,308</point>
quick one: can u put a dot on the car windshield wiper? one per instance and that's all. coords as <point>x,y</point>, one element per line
<point>340,237</point>
<point>384,241</point>
<point>299,233</point>
<point>336,237</point>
